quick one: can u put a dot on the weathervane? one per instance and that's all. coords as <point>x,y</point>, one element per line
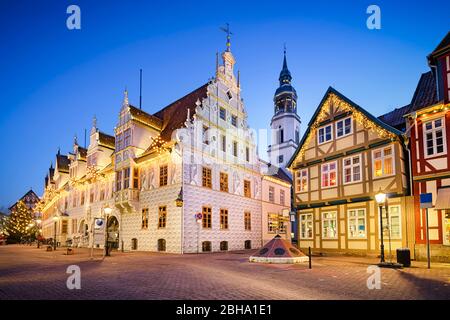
<point>229,33</point>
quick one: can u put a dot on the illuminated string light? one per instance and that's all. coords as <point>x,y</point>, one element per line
<point>361,118</point>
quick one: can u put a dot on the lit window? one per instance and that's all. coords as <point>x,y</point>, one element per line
<point>306,226</point>
<point>394,225</point>
<point>162,217</point>
<point>329,175</point>
<point>383,162</point>
<point>272,222</point>
<point>352,169</point>
<point>247,221</point>
<point>357,223</point>
<point>301,180</point>
<point>206,177</point>
<point>329,225</point>
<point>343,127</point>
<point>163,175</point>
<point>206,217</point>
<point>223,182</point>
<point>144,224</point>
<point>434,136</point>
<point>247,190</point>
<point>325,134</point>
<point>223,219</point>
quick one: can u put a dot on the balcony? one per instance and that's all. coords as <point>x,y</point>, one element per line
<point>127,200</point>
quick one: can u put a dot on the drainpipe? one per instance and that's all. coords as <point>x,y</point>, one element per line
<point>182,208</point>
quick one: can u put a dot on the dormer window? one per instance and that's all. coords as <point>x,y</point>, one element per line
<point>325,134</point>
<point>343,127</point>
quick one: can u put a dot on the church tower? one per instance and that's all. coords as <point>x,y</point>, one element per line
<point>285,123</point>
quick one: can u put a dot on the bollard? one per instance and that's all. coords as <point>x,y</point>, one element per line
<point>309,255</point>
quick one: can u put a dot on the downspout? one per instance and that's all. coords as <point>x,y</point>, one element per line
<point>408,149</point>
<point>182,194</point>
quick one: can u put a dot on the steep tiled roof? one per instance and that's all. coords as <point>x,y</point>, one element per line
<point>106,140</point>
<point>444,44</point>
<point>144,117</point>
<point>174,115</point>
<point>281,173</point>
<point>426,92</point>
<point>83,152</point>
<point>395,117</point>
<point>62,163</point>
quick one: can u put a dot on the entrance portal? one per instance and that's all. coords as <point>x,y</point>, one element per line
<point>112,229</point>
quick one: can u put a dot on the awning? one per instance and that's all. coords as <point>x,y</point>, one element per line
<point>443,199</point>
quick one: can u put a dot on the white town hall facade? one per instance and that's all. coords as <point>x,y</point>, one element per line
<point>159,171</point>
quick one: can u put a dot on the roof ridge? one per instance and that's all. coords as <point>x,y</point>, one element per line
<point>178,100</point>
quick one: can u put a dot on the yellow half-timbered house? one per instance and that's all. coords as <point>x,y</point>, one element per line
<point>345,157</point>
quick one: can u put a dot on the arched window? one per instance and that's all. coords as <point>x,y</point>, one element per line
<point>224,245</point>
<point>280,135</point>
<point>206,246</point>
<point>248,244</point>
<point>161,244</point>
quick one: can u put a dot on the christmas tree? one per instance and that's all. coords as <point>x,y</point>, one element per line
<point>18,227</point>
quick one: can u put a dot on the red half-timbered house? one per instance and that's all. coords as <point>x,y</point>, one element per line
<point>428,125</point>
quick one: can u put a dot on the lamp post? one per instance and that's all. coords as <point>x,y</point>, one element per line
<point>107,210</point>
<point>380,198</point>
<point>38,225</point>
<point>55,222</point>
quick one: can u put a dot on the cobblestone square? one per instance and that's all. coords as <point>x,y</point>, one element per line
<point>30,273</point>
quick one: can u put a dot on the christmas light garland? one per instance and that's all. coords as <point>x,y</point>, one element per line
<point>361,118</point>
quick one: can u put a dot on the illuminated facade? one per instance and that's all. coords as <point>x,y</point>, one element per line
<point>158,172</point>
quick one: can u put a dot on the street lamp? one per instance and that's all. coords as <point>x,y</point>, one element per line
<point>380,198</point>
<point>55,220</point>
<point>38,225</point>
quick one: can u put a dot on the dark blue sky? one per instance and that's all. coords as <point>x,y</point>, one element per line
<point>54,80</point>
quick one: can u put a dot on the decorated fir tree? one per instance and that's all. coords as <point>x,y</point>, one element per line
<point>18,226</point>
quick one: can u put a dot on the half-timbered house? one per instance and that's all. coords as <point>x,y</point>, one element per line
<point>345,157</point>
<point>428,126</point>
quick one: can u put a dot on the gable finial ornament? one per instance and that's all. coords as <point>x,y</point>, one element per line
<point>125,98</point>
<point>229,33</point>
